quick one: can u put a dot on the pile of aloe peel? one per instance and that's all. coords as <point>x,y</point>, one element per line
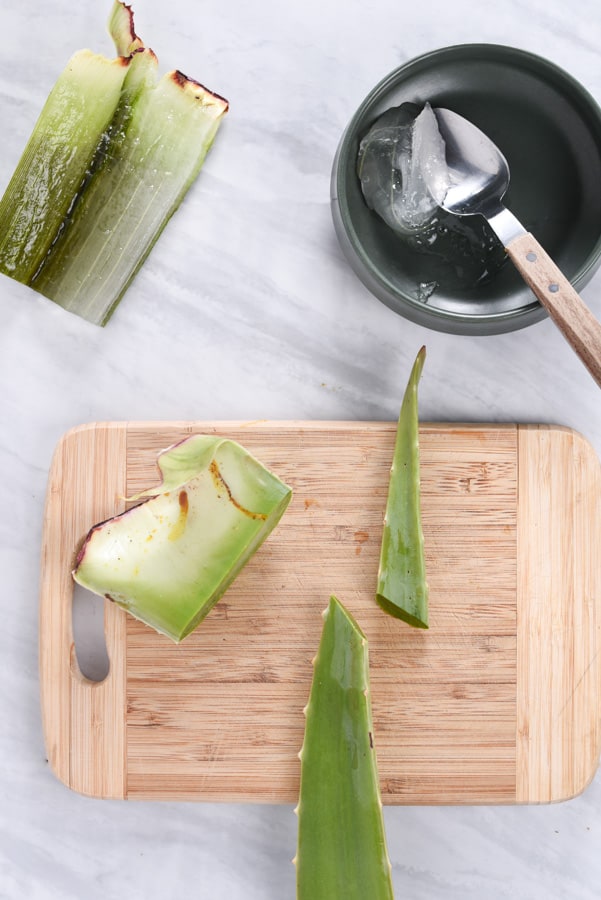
<point>110,159</point>
<point>189,538</point>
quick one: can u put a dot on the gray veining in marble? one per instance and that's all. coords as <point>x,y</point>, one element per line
<point>247,309</point>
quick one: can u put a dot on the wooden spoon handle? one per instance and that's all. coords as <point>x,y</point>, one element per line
<point>567,309</point>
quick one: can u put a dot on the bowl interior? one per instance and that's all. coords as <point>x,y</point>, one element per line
<point>549,129</point>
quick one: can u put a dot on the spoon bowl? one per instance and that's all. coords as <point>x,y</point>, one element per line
<point>479,173</point>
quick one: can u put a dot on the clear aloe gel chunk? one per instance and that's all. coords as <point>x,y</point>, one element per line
<point>402,589</point>
<point>341,852</point>
<point>170,559</point>
<point>402,169</point>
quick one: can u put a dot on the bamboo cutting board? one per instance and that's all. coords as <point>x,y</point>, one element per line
<point>497,703</point>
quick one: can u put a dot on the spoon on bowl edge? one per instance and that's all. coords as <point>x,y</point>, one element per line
<point>478,180</point>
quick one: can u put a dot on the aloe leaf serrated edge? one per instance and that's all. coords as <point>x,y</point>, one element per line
<point>341,853</point>
<point>402,589</point>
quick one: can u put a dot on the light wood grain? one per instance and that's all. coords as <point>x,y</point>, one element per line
<point>463,713</point>
<point>84,721</point>
<point>558,615</point>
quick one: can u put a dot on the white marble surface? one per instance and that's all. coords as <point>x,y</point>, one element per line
<point>246,309</point>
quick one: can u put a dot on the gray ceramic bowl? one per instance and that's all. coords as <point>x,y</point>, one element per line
<point>549,129</point>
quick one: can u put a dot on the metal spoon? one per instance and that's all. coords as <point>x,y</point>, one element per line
<point>479,178</point>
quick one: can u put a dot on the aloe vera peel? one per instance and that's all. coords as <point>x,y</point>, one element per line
<point>55,161</point>
<point>109,161</point>
<point>168,560</point>
<point>341,851</point>
<point>402,589</point>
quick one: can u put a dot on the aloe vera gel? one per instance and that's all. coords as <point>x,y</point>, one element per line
<point>403,174</point>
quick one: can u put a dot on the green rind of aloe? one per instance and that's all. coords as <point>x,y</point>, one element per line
<point>341,852</point>
<point>402,589</point>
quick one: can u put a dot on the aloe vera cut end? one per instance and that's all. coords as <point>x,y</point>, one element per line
<point>402,589</point>
<point>170,559</point>
<point>121,29</point>
<point>341,849</point>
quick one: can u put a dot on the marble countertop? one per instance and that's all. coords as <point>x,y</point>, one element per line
<point>247,309</point>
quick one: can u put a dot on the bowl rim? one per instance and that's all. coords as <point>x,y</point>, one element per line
<point>496,322</point>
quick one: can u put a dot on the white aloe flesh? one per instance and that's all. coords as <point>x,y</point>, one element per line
<point>170,559</point>
<point>87,204</point>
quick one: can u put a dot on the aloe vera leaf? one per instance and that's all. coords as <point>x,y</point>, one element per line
<point>148,170</point>
<point>168,560</point>
<point>56,160</point>
<point>402,589</point>
<point>341,851</point>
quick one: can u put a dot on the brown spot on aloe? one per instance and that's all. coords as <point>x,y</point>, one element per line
<point>221,483</point>
<point>179,527</point>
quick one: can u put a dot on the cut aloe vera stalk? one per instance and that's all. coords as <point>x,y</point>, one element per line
<point>342,851</point>
<point>402,589</point>
<point>168,560</point>
<point>82,215</point>
<point>147,171</point>
<point>56,161</point>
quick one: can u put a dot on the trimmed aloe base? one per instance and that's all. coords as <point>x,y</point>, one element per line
<point>341,840</point>
<point>170,559</point>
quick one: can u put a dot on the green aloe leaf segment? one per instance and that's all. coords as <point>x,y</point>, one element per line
<point>402,589</point>
<point>341,851</point>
